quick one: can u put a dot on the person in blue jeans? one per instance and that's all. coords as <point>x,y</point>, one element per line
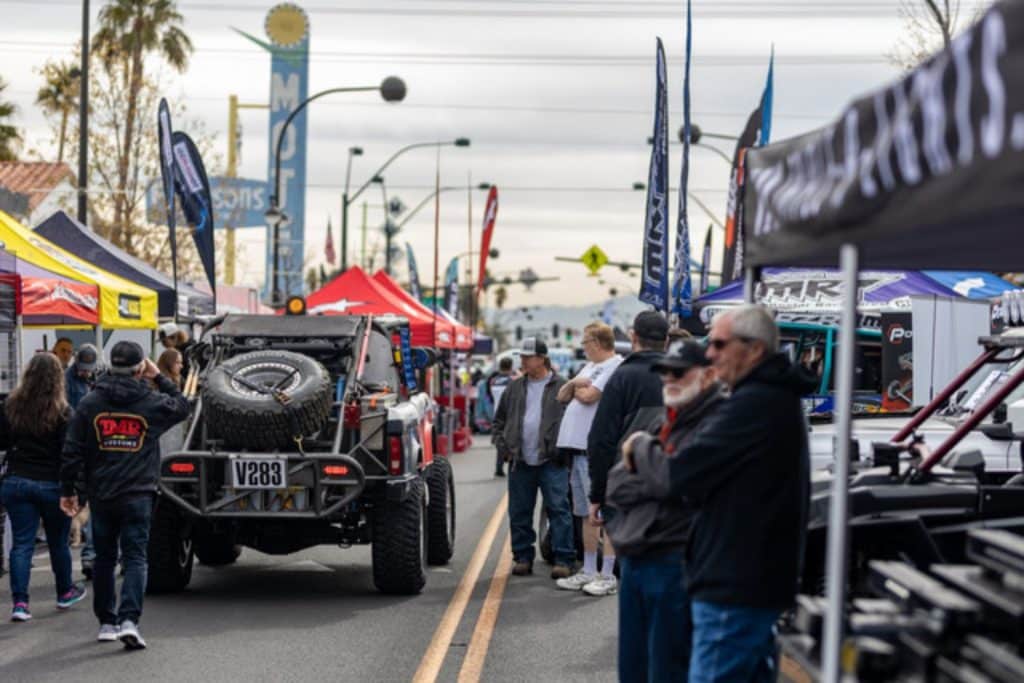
<point>526,434</point>
<point>33,424</point>
<point>115,438</point>
<point>655,630</point>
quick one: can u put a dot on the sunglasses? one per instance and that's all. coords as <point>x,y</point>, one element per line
<point>677,373</point>
<point>719,344</point>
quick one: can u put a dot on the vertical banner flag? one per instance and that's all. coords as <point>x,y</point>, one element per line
<point>757,132</point>
<point>414,274</point>
<point>705,264</point>
<point>164,129</point>
<point>451,288</point>
<point>682,283</point>
<point>490,214</point>
<point>329,254</point>
<point>194,191</point>
<point>654,282</point>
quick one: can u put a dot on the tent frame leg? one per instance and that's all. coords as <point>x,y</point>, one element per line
<point>838,541</point>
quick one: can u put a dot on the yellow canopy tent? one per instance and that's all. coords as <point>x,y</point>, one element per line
<point>123,305</point>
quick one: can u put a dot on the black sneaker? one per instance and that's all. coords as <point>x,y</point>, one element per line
<point>499,473</point>
<point>87,571</point>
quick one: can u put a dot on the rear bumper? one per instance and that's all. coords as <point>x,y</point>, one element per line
<point>310,494</point>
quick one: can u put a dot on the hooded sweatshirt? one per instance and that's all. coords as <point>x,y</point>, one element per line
<point>115,436</point>
<point>747,472</point>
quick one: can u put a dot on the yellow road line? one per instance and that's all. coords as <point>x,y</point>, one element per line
<point>433,658</point>
<point>473,664</point>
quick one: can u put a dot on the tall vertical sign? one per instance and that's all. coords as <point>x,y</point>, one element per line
<point>287,27</point>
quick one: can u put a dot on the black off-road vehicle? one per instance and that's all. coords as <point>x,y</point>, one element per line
<point>306,431</point>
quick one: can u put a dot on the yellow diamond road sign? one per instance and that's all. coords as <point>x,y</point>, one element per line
<point>594,258</point>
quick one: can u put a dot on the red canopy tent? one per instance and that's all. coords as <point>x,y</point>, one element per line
<point>356,293</point>
<point>463,335</point>
<point>44,298</point>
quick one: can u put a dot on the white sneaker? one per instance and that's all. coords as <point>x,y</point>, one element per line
<point>108,633</point>
<point>602,585</point>
<point>575,582</point>
<point>130,636</point>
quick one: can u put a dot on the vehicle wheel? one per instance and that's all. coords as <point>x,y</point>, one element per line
<point>399,546</point>
<point>216,550</point>
<point>440,512</point>
<point>170,551</point>
<point>245,418</point>
<point>544,534</point>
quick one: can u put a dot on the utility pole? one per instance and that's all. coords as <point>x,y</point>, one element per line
<point>83,121</point>
<point>232,172</point>
<point>362,257</point>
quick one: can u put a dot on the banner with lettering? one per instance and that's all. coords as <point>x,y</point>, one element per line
<point>194,191</point>
<point>682,282</point>
<point>924,173</point>
<point>654,276</point>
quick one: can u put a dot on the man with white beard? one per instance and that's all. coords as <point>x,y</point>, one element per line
<point>650,532</point>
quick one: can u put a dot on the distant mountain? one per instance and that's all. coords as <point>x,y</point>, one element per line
<point>538,321</point>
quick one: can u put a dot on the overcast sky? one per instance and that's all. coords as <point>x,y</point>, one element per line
<point>556,96</point>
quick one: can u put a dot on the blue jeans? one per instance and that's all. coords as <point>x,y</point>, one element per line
<point>122,521</point>
<point>553,482</point>
<point>732,643</point>
<point>27,501</point>
<point>654,619</point>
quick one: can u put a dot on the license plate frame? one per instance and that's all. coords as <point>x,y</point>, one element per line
<point>249,473</point>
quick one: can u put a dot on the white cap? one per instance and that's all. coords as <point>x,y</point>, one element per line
<point>167,330</point>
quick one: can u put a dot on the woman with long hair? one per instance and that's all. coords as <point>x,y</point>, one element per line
<point>33,424</point>
<point>170,365</point>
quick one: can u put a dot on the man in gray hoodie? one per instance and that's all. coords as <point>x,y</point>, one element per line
<point>650,532</point>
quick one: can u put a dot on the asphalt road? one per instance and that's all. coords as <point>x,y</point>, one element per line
<point>315,615</point>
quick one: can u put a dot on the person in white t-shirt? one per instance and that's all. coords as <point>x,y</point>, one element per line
<point>582,394</point>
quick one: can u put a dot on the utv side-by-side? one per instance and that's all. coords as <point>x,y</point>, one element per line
<point>307,431</point>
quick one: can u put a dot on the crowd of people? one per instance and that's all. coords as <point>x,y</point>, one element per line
<point>691,461</point>
<point>82,449</point>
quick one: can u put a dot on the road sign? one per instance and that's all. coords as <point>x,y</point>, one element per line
<point>594,258</point>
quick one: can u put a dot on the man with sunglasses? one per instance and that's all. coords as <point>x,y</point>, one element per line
<point>650,533</point>
<point>746,471</point>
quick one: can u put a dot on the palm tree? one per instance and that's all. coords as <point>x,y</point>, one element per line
<point>131,30</point>
<point>9,136</point>
<point>60,96</point>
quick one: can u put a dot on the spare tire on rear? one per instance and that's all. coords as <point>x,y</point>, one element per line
<point>246,418</point>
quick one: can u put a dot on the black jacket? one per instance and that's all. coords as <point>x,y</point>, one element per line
<point>648,524</point>
<point>115,436</point>
<point>508,420</point>
<point>31,456</point>
<point>629,403</point>
<point>747,471</point>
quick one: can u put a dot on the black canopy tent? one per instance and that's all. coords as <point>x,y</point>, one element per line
<point>68,233</point>
<point>925,173</point>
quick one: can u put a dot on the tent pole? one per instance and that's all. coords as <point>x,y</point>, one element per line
<point>838,546</point>
<point>99,337</point>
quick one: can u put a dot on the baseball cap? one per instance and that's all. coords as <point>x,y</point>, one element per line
<point>167,329</point>
<point>86,358</point>
<point>125,357</point>
<point>683,355</point>
<point>533,347</point>
<point>651,325</point>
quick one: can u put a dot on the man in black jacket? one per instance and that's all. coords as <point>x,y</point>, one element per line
<point>115,437</point>
<point>747,473</point>
<point>650,533</point>
<point>630,402</point>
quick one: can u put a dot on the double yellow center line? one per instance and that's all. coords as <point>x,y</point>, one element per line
<point>437,651</point>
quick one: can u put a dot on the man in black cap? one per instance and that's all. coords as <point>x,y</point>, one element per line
<point>114,435</point>
<point>630,402</point>
<point>526,435</point>
<point>649,532</point>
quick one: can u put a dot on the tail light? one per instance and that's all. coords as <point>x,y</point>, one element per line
<point>183,468</point>
<point>335,470</point>
<point>352,415</point>
<point>395,455</point>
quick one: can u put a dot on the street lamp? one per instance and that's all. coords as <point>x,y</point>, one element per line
<point>391,89</point>
<point>347,199</point>
<point>426,200</point>
<point>696,134</point>
<point>638,186</point>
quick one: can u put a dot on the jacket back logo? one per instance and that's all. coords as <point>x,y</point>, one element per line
<point>120,432</point>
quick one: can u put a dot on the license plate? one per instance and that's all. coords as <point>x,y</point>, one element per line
<point>259,473</point>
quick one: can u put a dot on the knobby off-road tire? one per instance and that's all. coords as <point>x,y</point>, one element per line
<point>170,551</point>
<point>440,512</point>
<point>399,547</point>
<point>216,550</point>
<point>248,419</point>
